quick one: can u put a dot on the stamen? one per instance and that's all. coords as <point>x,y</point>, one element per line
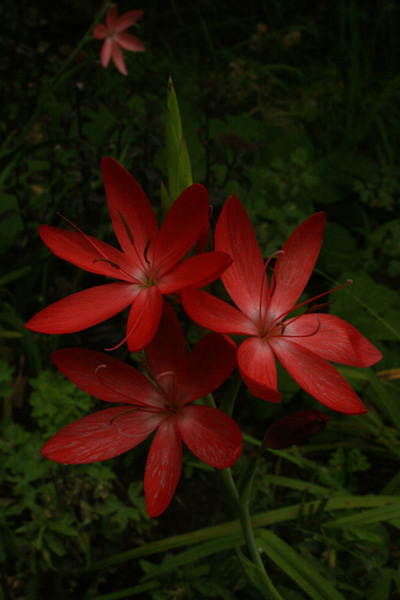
<point>283,315</point>
<point>99,250</point>
<point>85,236</point>
<point>270,289</point>
<point>146,251</point>
<point>126,412</point>
<point>113,264</point>
<point>129,332</point>
<point>128,231</point>
<point>132,240</point>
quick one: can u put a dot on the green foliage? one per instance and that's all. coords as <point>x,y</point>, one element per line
<point>294,111</point>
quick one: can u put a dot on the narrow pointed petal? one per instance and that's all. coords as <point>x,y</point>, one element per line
<point>211,435</point>
<point>126,20</point>
<point>235,236</point>
<point>105,52</point>
<point>163,467</point>
<point>215,314</point>
<point>130,42</point>
<point>208,365</point>
<point>257,367</point>
<point>144,319</point>
<point>333,339</point>
<point>128,204</point>
<point>166,354</point>
<point>118,58</point>
<point>295,428</point>
<point>317,377</point>
<point>104,377</point>
<point>100,436</point>
<point>181,228</point>
<point>83,309</point>
<point>196,271</point>
<point>294,266</point>
<point>86,252</point>
<point>112,16</point>
<point>100,32</point>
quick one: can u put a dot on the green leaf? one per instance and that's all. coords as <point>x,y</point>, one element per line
<point>173,108</point>
<point>256,575</point>
<point>297,568</point>
<point>374,515</point>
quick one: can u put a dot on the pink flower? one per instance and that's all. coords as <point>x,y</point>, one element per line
<point>114,37</point>
<point>303,344</point>
<point>148,266</point>
<point>165,406</point>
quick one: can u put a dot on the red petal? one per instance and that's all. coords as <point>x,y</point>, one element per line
<point>294,266</point>
<point>101,435</point>
<point>83,309</point>
<point>195,271</point>
<point>144,318</point>
<point>163,467</point>
<point>332,338</point>
<point>166,355</point>
<point>113,382</point>
<point>86,252</point>
<point>208,365</point>
<point>100,32</point>
<point>111,16</point>
<point>181,227</point>
<point>215,314</point>
<point>105,52</point>
<point>126,20</point>
<point>258,369</point>
<point>295,428</point>
<point>317,377</point>
<point>125,197</point>
<point>211,435</point>
<point>118,58</point>
<point>129,42</point>
<point>235,236</point>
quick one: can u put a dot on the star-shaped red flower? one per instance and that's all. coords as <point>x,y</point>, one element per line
<point>143,406</point>
<point>148,266</point>
<point>303,344</point>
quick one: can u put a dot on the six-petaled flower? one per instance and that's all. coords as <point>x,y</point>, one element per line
<point>115,38</point>
<point>303,344</point>
<point>165,405</point>
<point>148,266</point>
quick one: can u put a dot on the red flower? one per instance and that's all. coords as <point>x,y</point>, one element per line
<point>303,344</point>
<point>114,37</point>
<point>147,266</point>
<point>295,428</point>
<point>143,407</point>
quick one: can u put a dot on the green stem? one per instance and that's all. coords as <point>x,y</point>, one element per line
<point>242,502</point>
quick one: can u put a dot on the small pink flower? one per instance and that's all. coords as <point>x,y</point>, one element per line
<point>114,37</point>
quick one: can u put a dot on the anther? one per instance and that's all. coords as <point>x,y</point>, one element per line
<point>128,231</point>
<point>146,251</point>
<point>113,264</point>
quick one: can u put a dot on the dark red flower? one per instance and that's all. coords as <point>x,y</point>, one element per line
<point>303,344</point>
<point>295,428</point>
<point>148,266</point>
<point>143,406</point>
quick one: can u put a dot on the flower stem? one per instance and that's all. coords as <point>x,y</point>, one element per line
<point>242,502</point>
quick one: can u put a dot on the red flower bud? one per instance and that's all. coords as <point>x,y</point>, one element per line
<point>295,428</point>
